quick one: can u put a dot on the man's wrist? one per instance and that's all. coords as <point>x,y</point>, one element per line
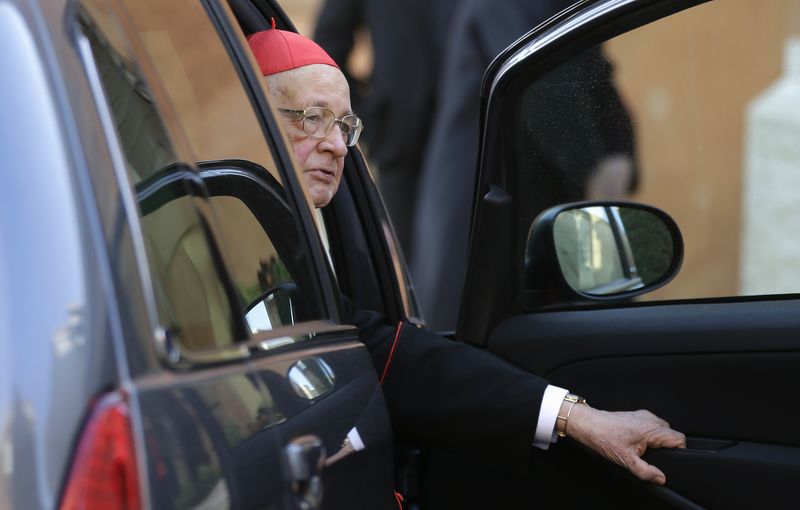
<point>565,412</point>
<point>548,410</point>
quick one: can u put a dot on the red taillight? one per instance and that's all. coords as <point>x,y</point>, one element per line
<point>104,472</point>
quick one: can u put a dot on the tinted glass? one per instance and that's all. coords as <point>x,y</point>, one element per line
<point>697,114</point>
<point>205,93</point>
<point>212,257</point>
<point>190,293</point>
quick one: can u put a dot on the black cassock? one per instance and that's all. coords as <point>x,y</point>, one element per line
<point>450,394</point>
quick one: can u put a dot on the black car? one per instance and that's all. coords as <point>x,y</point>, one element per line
<point>171,303</point>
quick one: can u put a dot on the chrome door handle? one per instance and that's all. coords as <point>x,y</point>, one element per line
<point>305,457</point>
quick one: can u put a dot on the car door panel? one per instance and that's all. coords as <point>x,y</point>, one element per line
<point>218,412</point>
<point>322,389</point>
<point>718,370</point>
<point>355,401</point>
<point>224,404</point>
<point>743,475</point>
<point>701,328</point>
<point>700,366</point>
<point>247,415</point>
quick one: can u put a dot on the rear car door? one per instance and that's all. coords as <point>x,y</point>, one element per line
<point>247,383</point>
<point>714,113</point>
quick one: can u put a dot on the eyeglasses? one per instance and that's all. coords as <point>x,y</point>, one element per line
<point>318,123</point>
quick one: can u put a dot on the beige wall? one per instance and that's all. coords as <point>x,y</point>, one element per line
<point>688,80</point>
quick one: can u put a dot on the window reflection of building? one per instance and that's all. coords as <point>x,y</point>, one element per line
<point>241,408</point>
<point>185,467</point>
<point>587,248</point>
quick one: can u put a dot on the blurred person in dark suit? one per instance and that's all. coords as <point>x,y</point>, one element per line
<point>565,113</point>
<point>397,100</point>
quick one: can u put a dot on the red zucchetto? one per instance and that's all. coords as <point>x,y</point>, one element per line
<point>280,50</point>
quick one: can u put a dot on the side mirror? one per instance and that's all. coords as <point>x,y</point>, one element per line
<point>599,251</point>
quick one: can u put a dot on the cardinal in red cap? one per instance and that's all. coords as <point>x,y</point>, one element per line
<point>314,100</point>
<point>313,97</point>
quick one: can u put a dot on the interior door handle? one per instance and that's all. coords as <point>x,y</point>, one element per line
<point>305,456</point>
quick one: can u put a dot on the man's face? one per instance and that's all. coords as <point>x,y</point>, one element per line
<point>321,160</point>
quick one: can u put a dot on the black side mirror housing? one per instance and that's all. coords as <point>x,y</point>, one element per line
<point>589,252</point>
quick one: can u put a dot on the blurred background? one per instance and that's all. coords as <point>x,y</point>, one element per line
<point>712,94</point>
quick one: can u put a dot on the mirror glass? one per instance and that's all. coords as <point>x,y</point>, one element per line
<point>272,309</point>
<point>311,378</point>
<point>606,250</point>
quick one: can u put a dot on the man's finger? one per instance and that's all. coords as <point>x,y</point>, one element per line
<point>676,440</point>
<point>667,438</point>
<point>647,472</point>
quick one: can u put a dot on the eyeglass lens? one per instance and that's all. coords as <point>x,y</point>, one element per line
<point>318,122</point>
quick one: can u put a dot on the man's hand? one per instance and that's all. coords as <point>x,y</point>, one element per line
<point>623,437</point>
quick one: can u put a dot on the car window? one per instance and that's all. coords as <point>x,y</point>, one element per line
<point>190,294</point>
<point>201,170</point>
<point>269,264</point>
<point>696,114</point>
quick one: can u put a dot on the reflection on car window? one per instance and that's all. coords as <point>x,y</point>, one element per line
<point>268,263</point>
<point>190,295</point>
<point>204,89</point>
<point>144,140</point>
<point>258,251</point>
<point>249,216</point>
<point>220,236</point>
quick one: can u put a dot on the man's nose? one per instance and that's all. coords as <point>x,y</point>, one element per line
<point>334,142</point>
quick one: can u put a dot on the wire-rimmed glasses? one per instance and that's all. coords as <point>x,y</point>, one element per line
<point>318,122</point>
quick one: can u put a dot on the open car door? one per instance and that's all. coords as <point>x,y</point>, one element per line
<point>712,352</point>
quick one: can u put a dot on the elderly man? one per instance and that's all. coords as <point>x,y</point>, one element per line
<point>443,392</point>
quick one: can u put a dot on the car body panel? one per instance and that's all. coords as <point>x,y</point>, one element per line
<point>58,333</point>
<point>79,318</point>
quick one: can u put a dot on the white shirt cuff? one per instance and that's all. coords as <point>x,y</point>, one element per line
<point>548,413</point>
<point>355,439</point>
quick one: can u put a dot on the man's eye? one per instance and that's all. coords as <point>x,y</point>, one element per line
<point>314,118</point>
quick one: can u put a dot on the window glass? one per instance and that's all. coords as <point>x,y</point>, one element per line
<point>145,143</point>
<point>697,114</point>
<point>268,262</point>
<point>258,251</point>
<point>212,254</point>
<point>191,297</point>
<point>266,259</point>
<point>204,89</point>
